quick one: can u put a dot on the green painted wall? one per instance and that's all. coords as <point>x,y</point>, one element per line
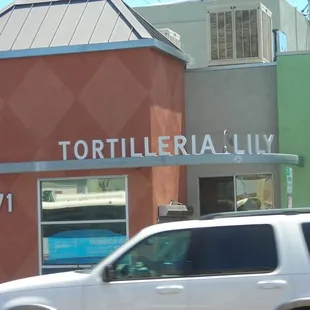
<point>293,76</point>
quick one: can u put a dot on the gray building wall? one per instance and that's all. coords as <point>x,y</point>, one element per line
<point>241,100</point>
<point>189,20</point>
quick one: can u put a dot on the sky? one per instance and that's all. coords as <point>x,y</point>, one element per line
<point>300,4</point>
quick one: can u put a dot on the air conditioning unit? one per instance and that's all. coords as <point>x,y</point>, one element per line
<point>172,36</point>
<point>239,34</point>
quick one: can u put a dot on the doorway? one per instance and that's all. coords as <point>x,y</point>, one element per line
<point>216,195</point>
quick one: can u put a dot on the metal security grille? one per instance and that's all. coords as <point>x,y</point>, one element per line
<point>240,33</point>
<point>246,27</point>
<point>221,25</point>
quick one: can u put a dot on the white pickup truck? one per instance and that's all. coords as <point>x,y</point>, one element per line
<point>257,260</point>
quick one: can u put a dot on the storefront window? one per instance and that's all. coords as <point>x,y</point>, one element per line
<point>82,221</point>
<point>216,195</point>
<point>254,192</point>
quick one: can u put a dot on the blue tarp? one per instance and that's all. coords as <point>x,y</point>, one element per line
<point>82,246</point>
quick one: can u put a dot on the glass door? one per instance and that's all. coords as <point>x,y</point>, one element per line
<point>216,195</point>
<point>254,192</point>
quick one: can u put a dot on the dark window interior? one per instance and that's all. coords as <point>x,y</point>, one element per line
<point>216,195</point>
<point>306,231</point>
<point>235,249</point>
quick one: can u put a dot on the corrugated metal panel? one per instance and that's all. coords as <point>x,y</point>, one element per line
<point>30,27</point>
<point>105,25</point>
<point>121,31</point>
<point>13,27</point>
<point>69,23</point>
<point>88,22</point>
<point>50,24</point>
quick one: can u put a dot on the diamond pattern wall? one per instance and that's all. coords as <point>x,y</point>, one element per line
<point>115,94</point>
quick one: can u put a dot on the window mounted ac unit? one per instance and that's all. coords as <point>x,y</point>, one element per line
<point>172,36</point>
<point>240,34</point>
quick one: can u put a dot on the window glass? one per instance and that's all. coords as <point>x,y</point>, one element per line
<point>162,255</point>
<point>306,231</point>
<point>254,192</point>
<point>58,270</point>
<point>83,199</point>
<point>235,250</point>
<point>82,221</point>
<point>72,244</point>
<point>216,195</point>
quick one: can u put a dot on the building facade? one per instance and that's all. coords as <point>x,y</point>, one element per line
<point>103,121</point>
<point>190,20</point>
<point>58,104</point>
<point>242,101</point>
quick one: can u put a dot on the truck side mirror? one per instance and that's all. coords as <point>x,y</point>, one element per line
<point>108,274</point>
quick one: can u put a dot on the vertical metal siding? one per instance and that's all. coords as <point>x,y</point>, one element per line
<point>49,25</point>
<point>105,25</point>
<point>121,31</point>
<point>4,20</point>
<point>69,23</point>
<point>87,23</point>
<point>13,27</point>
<point>30,28</point>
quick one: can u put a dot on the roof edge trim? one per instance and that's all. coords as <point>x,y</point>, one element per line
<point>138,162</point>
<point>233,67</point>
<point>109,46</point>
<point>305,52</point>
<point>172,51</point>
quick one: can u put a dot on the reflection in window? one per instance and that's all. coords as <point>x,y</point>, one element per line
<point>254,192</point>
<point>162,255</point>
<point>82,220</point>
<point>82,244</point>
<point>85,199</point>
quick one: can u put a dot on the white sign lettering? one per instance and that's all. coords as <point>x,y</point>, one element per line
<point>9,199</point>
<point>165,146</point>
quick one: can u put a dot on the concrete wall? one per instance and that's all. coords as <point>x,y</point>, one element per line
<point>241,100</point>
<point>294,111</point>
<point>295,25</point>
<point>189,20</point>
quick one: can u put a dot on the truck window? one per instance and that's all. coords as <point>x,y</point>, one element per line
<point>306,232</point>
<point>161,255</point>
<point>235,250</point>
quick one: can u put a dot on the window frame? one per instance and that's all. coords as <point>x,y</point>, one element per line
<point>41,223</point>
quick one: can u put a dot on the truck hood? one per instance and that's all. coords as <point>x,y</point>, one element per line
<point>57,280</point>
